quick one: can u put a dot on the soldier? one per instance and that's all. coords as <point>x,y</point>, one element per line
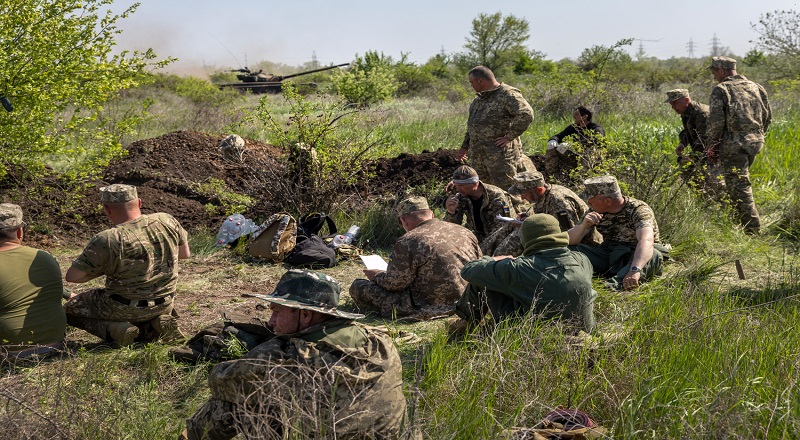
<point>139,257</point>
<point>479,202</point>
<point>578,144</point>
<point>739,117</point>
<point>422,279</point>
<point>321,376</point>
<point>549,279</point>
<point>32,321</point>
<point>497,118</point>
<point>628,253</point>
<point>694,163</point>
<point>556,200</point>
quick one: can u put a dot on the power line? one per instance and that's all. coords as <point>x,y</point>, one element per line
<point>690,47</point>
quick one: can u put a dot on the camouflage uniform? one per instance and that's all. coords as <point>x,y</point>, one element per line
<point>493,114</point>
<point>494,202</point>
<point>140,261</point>
<point>615,253</point>
<point>586,151</point>
<point>337,379</point>
<point>739,117</point>
<point>423,277</point>
<point>549,280</point>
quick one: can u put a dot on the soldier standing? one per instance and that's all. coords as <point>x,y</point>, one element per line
<point>497,118</point>
<point>738,119</point>
<point>423,279</point>
<point>139,257</point>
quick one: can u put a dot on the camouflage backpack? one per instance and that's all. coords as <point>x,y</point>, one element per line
<point>277,238</point>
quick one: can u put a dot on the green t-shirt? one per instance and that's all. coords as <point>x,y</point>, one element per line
<point>30,298</point>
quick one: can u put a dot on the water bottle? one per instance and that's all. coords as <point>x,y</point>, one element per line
<point>345,238</point>
<point>234,227</point>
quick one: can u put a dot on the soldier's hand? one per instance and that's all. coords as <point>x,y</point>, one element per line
<point>679,150</point>
<point>712,154</point>
<point>562,148</point>
<point>631,280</point>
<point>452,204</point>
<point>552,144</point>
<point>501,141</point>
<point>592,219</point>
<point>370,273</point>
<point>461,154</point>
<point>502,257</point>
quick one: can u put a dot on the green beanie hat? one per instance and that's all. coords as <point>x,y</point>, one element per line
<point>541,232</point>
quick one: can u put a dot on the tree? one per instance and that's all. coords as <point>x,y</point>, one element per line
<point>369,80</point>
<point>597,57</point>
<point>495,40</point>
<point>57,71</point>
<point>779,35</point>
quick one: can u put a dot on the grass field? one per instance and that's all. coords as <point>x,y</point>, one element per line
<point>697,353</point>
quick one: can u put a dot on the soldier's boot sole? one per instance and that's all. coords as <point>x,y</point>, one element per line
<point>123,333</point>
<point>167,328</point>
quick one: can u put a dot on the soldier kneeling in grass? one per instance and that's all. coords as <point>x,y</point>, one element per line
<point>321,376</point>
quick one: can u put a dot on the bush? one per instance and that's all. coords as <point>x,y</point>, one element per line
<point>370,80</point>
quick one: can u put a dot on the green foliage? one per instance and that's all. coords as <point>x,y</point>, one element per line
<point>595,58</point>
<point>412,79</point>
<point>371,79</point>
<point>196,90</point>
<point>529,62</point>
<point>232,202</point>
<point>58,71</point>
<point>494,40</point>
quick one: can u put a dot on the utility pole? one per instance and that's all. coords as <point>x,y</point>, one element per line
<point>442,51</point>
<point>314,62</point>
<point>690,48</point>
<point>715,46</point>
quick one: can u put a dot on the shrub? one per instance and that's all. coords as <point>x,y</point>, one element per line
<point>370,80</point>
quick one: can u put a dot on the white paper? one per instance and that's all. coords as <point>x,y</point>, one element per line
<point>508,219</point>
<point>374,262</point>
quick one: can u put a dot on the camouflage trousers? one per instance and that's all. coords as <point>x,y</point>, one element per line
<point>613,260</point>
<point>506,240</point>
<point>498,165</point>
<point>477,301</point>
<point>369,296</point>
<point>94,309</point>
<point>735,166</point>
<point>703,176</point>
<point>215,420</point>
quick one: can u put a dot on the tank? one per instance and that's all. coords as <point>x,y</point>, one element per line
<point>260,82</point>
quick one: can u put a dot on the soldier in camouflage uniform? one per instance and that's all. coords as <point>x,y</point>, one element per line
<point>556,200</point>
<point>422,279</point>
<point>497,118</point>
<point>738,119</point>
<point>577,146</point>
<point>695,166</point>
<point>628,253</point>
<point>480,203</point>
<point>549,280</point>
<point>139,257</point>
<point>321,376</point>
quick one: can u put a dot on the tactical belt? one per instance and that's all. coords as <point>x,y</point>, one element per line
<point>139,303</point>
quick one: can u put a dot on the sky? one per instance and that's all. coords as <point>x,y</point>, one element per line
<point>231,34</point>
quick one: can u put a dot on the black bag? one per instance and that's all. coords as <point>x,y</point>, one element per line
<point>311,252</point>
<point>311,224</point>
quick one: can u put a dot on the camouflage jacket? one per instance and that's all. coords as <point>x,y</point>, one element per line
<point>620,227</point>
<point>337,379</point>
<point>693,134</point>
<point>586,136</point>
<point>563,204</point>
<point>139,258</point>
<point>496,113</point>
<point>428,261</point>
<point>495,202</point>
<point>739,114</point>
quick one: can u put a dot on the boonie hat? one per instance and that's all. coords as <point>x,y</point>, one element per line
<point>308,290</point>
<point>676,94</point>
<point>117,193</point>
<point>464,175</point>
<point>525,181</point>
<point>10,216</point>
<point>722,63</point>
<point>412,204</point>
<point>601,185</point>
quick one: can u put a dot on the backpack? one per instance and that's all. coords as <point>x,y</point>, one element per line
<point>311,250</point>
<point>276,240</point>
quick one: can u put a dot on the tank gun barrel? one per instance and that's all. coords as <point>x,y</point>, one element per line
<point>307,72</point>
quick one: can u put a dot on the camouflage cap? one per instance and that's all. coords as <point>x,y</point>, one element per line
<point>722,63</point>
<point>676,94</point>
<point>10,216</point>
<point>117,193</point>
<point>602,185</point>
<point>525,181</point>
<point>464,175</point>
<point>412,204</point>
<point>308,290</point>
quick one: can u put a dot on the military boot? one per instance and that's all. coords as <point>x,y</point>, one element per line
<point>123,333</point>
<point>166,327</point>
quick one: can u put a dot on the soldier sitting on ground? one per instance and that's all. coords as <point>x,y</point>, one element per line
<point>32,321</point>
<point>548,280</point>
<point>422,279</point>
<point>628,254</point>
<point>579,145</point>
<point>321,376</point>
<point>139,257</point>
